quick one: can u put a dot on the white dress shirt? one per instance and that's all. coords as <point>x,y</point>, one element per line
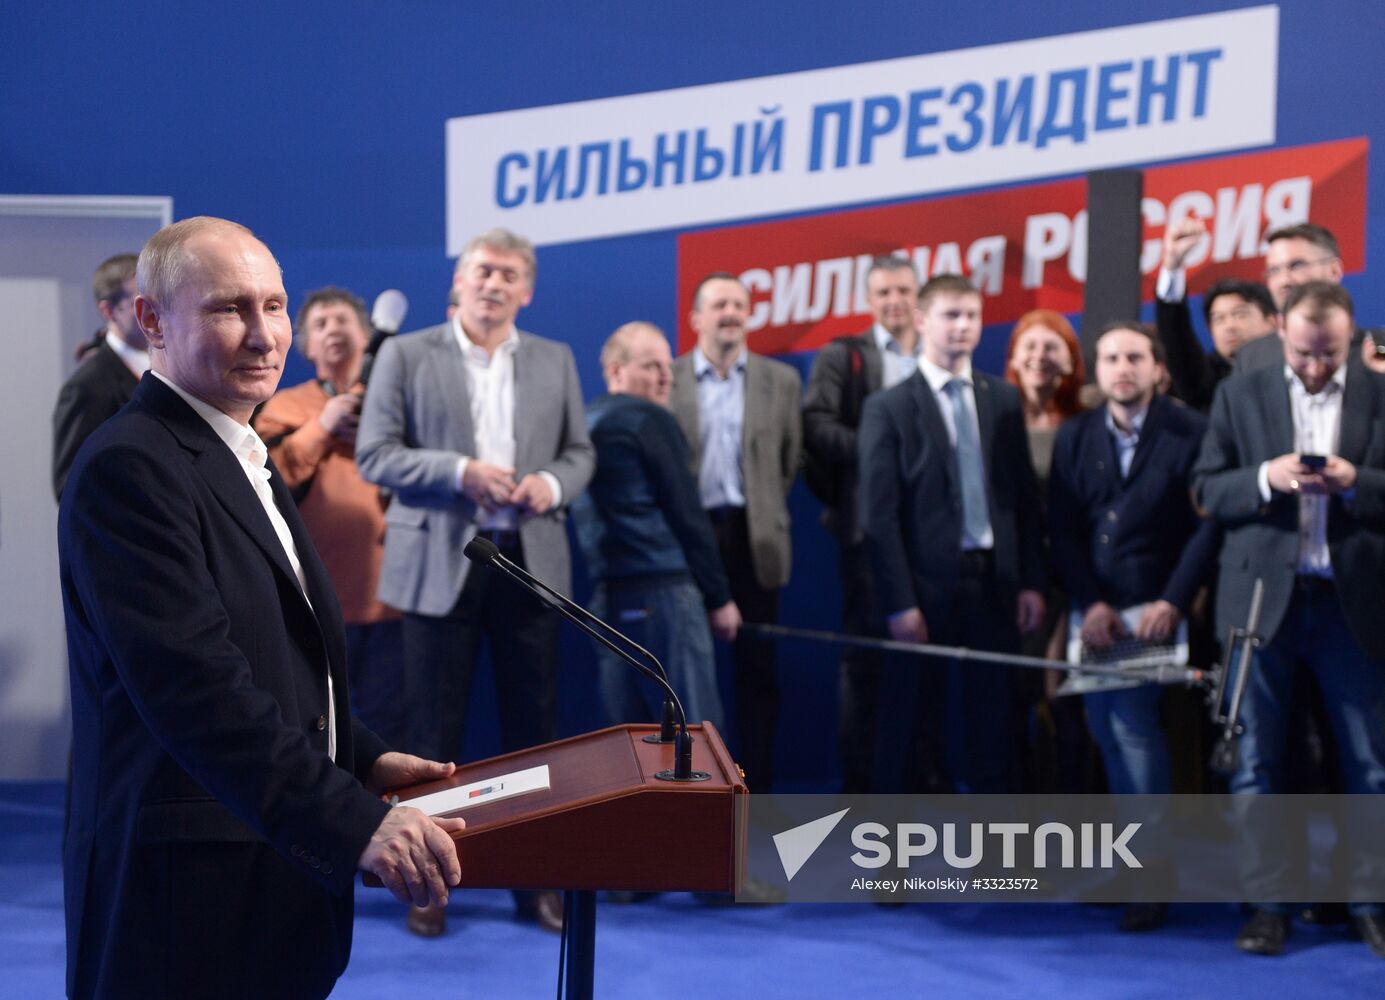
<point>251,453</point>
<point>1317,429</point>
<point>134,359</point>
<point>937,379</point>
<point>490,388</point>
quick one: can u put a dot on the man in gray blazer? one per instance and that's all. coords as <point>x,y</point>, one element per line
<point>476,429</point>
<point>740,414</point>
<point>1313,530</point>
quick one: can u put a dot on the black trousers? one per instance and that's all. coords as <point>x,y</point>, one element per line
<point>440,654</point>
<point>858,681</point>
<point>945,724</point>
<point>756,688</point>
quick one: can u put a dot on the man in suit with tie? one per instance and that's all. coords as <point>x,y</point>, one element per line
<point>222,795</point>
<point>844,373</point>
<point>1293,468</point>
<point>951,514</point>
<point>477,428</point>
<point>1123,533</point>
<point>740,414</point>
<point>106,378</point>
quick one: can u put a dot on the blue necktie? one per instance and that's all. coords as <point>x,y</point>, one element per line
<point>976,518</point>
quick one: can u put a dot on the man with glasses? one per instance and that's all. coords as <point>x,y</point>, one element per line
<point>1297,255</point>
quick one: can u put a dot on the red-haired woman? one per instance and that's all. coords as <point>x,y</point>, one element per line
<point>1044,361</point>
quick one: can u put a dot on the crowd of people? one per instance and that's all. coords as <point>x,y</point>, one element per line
<point>1010,513</point>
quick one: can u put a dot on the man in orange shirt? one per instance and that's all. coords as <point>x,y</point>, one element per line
<point>310,430</point>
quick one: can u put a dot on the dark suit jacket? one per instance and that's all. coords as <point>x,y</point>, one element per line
<point>1129,540</point>
<point>825,435</point>
<point>213,843</point>
<point>99,387</point>
<point>1251,423</point>
<point>911,496</point>
<point>1193,371</point>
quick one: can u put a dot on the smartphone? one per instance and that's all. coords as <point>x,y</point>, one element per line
<point>1315,462</point>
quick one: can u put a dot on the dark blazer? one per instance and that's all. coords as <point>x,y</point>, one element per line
<point>1251,423</point>
<point>771,442</point>
<point>641,516</point>
<point>826,436</point>
<point>213,843</point>
<point>99,387</point>
<point>911,497</point>
<point>1135,539</point>
<point>1193,371</point>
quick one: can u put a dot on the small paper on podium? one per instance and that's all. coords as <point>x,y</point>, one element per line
<point>502,786</point>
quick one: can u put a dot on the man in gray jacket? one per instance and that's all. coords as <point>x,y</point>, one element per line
<point>476,429</point>
<point>740,414</point>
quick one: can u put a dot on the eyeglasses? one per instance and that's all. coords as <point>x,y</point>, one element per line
<point>1294,268</point>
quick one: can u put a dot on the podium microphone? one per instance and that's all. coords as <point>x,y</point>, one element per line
<point>386,317</point>
<point>484,552</point>
<point>666,723</point>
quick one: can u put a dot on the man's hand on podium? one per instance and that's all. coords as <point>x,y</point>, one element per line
<point>412,853</point>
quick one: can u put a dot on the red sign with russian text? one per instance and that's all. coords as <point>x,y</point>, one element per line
<point>1024,247</point>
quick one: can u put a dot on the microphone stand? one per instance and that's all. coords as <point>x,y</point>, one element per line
<point>484,552</point>
<point>669,715</point>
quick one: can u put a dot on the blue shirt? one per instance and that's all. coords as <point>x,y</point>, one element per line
<point>1126,441</point>
<point>720,424</point>
<point>895,365</point>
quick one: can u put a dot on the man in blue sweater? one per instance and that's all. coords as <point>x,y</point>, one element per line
<point>646,539</point>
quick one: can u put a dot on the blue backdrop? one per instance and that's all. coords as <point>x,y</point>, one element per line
<point>320,126</point>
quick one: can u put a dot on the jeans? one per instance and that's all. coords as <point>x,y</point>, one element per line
<point>1314,632</point>
<point>669,620</point>
<point>1125,724</point>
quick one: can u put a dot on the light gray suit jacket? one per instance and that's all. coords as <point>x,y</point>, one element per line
<point>771,445</point>
<point>416,423</point>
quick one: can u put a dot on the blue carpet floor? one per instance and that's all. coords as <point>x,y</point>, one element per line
<point>675,946</point>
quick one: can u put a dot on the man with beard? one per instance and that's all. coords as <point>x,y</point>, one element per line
<point>1124,534</point>
<point>1293,467</point>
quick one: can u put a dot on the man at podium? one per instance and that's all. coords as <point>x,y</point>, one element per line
<point>222,795</point>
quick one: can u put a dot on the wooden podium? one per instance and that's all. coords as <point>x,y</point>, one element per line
<point>604,822</point>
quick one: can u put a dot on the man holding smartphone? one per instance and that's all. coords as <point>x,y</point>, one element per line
<point>1293,467</point>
